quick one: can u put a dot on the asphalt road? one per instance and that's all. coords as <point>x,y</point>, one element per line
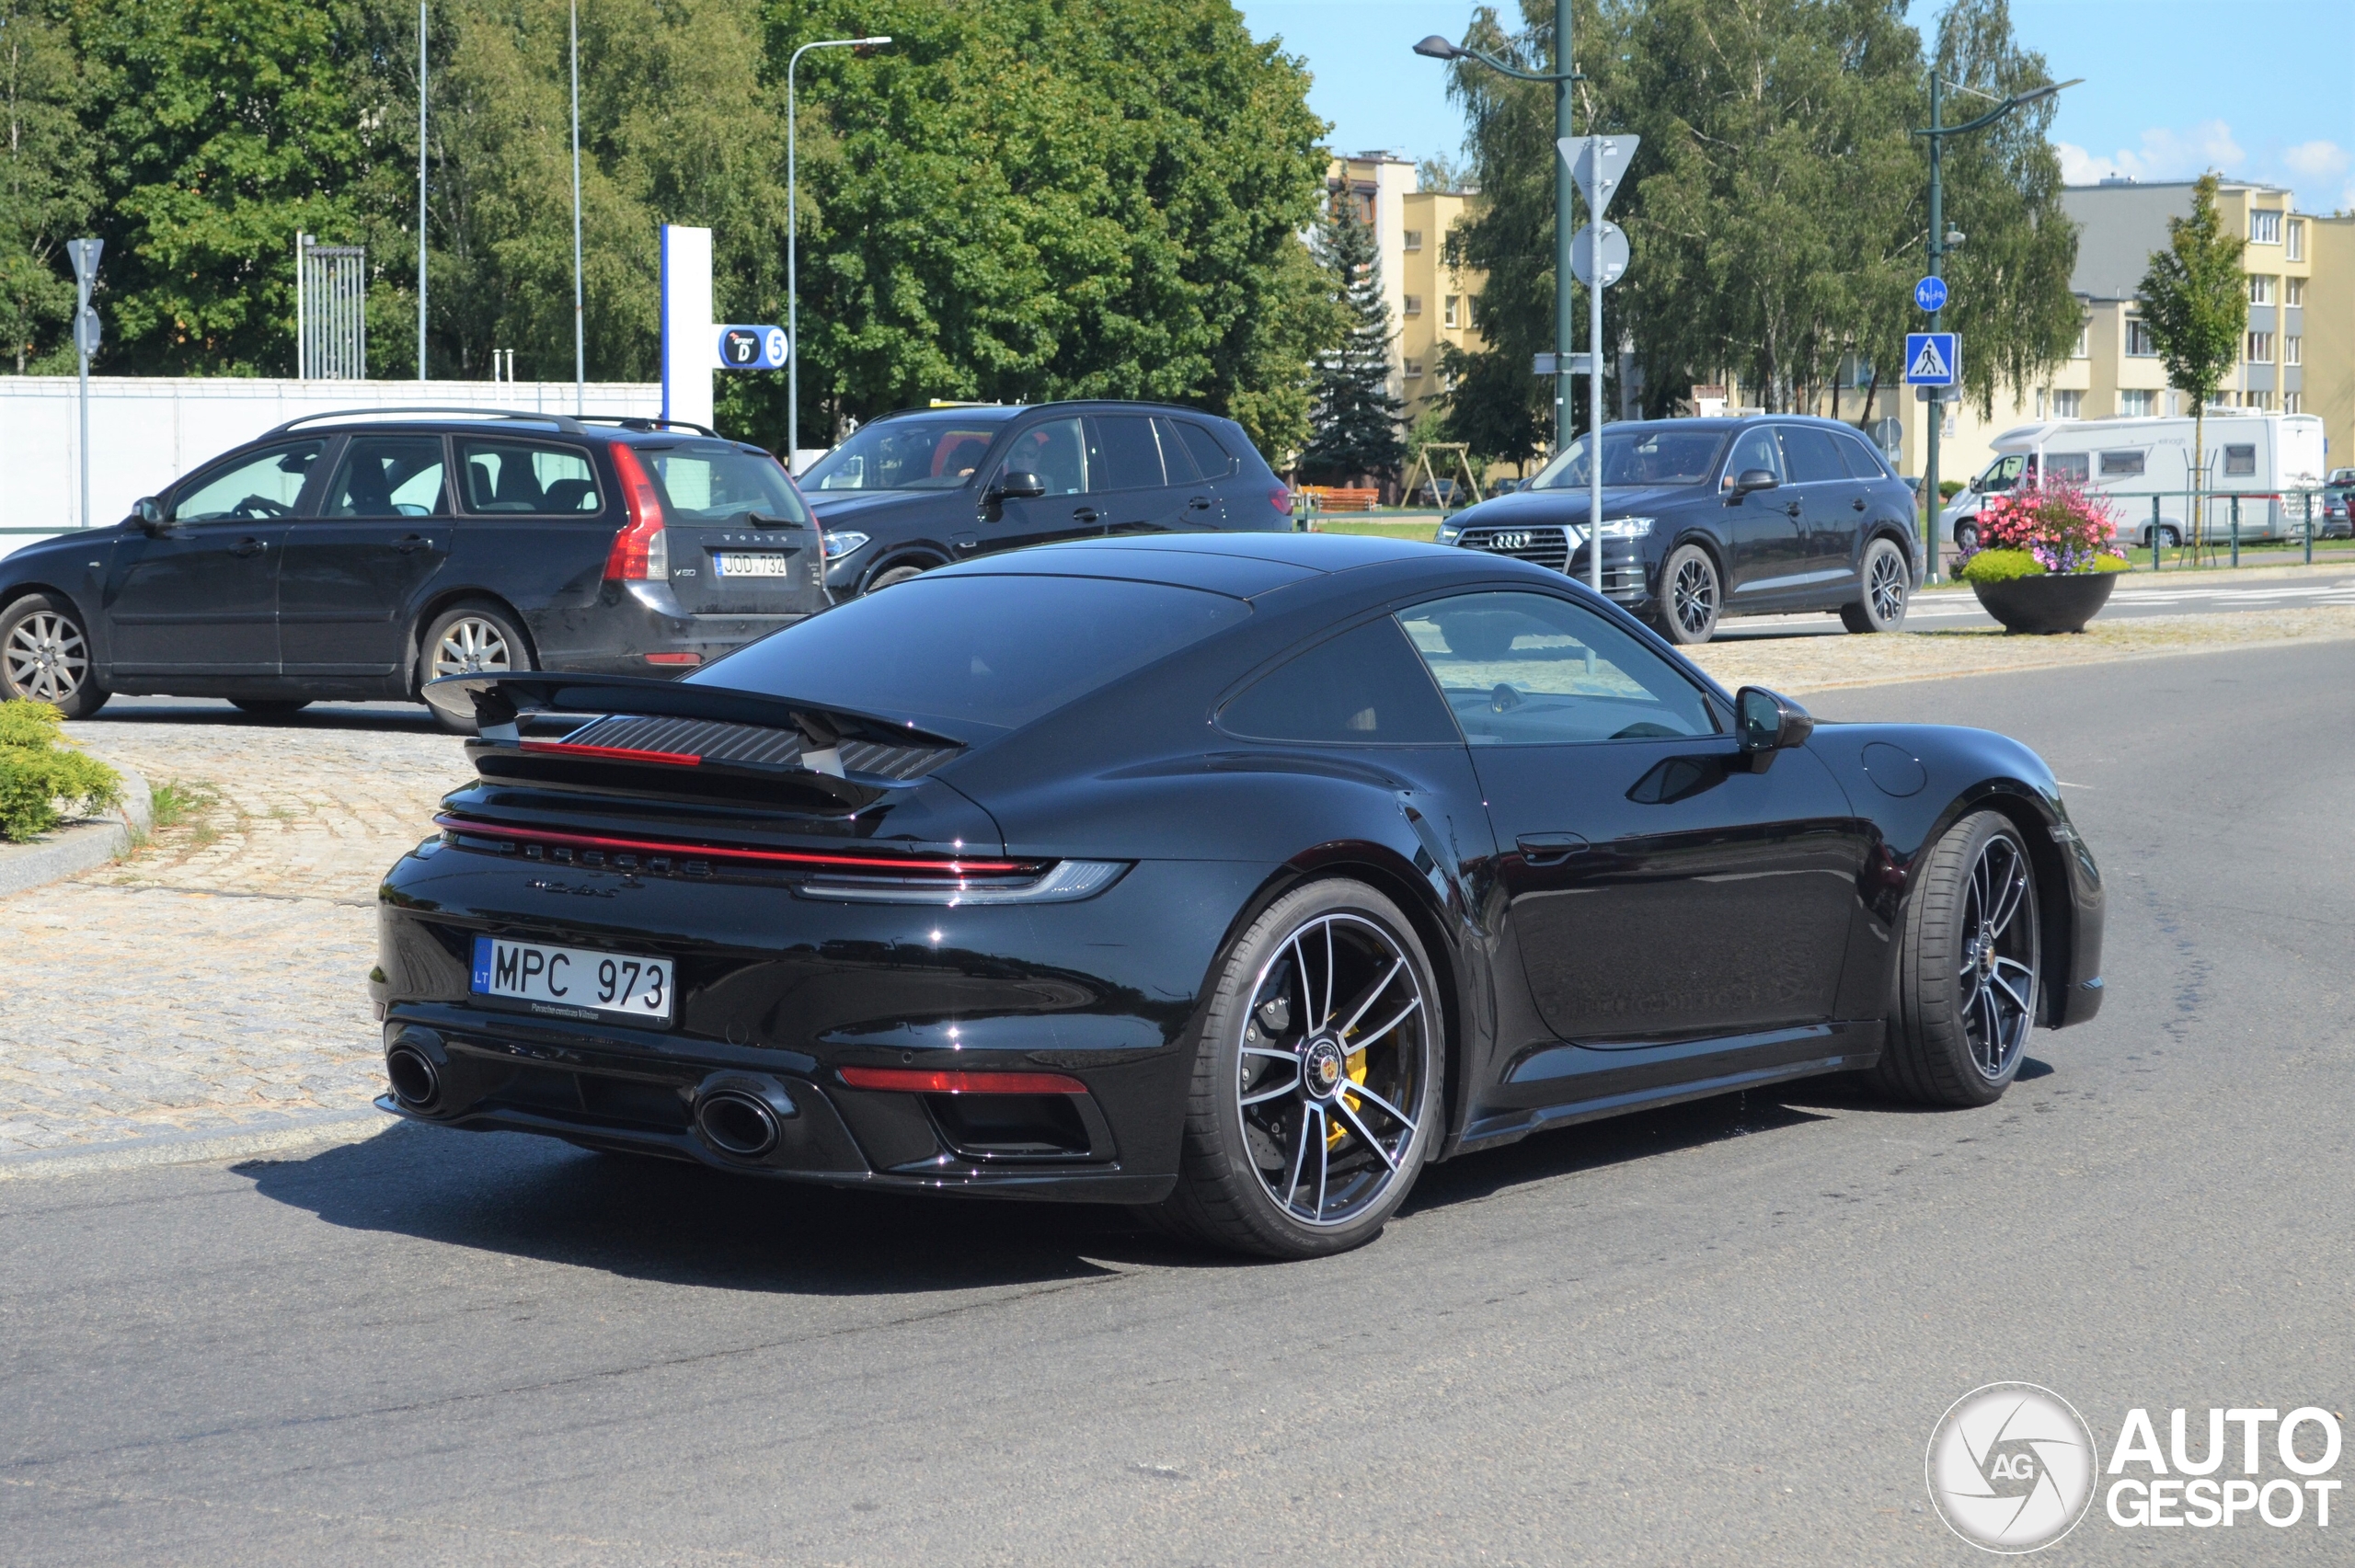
<point>2136,595</point>
<point>1721,1334</point>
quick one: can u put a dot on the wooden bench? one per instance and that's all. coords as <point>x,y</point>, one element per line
<point>1331,498</point>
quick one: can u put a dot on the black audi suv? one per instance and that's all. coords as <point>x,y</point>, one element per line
<point>363,554</point>
<point>1703,518</point>
<point>928,487</point>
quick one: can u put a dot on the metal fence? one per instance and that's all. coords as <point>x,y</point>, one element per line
<point>2219,523</point>
<point>330,310</point>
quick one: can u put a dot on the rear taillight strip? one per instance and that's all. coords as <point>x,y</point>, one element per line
<point>620,753</point>
<point>918,1080</point>
<point>891,865</point>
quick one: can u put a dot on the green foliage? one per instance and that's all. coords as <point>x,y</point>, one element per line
<point>2195,299</point>
<point>1356,422</point>
<point>43,776</point>
<point>1999,566</point>
<point>175,802</point>
<point>48,183</point>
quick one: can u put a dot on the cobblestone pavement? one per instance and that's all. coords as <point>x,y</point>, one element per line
<point>214,981</point>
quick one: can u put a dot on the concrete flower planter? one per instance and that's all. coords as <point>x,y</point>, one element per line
<point>2047,604</point>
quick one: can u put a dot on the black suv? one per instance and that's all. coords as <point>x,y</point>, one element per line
<point>335,558</point>
<point>1709,517</point>
<point>917,489</point>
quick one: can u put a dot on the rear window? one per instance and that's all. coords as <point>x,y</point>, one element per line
<point>989,650</point>
<point>711,482</point>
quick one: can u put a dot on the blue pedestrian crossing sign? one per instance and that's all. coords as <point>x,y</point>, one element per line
<point>1933,359</point>
<point>1930,293</point>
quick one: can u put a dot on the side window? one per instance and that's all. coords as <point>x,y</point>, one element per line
<point>1364,687</point>
<point>1809,456</point>
<point>2239,460</point>
<point>1123,454</point>
<point>1864,463</point>
<point>510,477</point>
<point>1055,452</point>
<point>1530,670</point>
<point>2069,467</point>
<point>389,477</point>
<point>1754,449</point>
<point>1212,458</point>
<point>1173,456</point>
<point>260,485</point>
<point>2121,465</point>
<point>2001,474</point>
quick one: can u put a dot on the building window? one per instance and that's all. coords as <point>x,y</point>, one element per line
<point>1414,370</point>
<point>1412,304</point>
<point>2256,400</point>
<point>2265,226</point>
<point>1410,239</point>
<point>2261,290</point>
<point>2293,350</point>
<point>2296,250</point>
<point>2293,291</point>
<point>2293,403</point>
<point>2138,405</point>
<point>2258,350</point>
<point>2068,405</point>
<point>2139,342</point>
<point>2083,350</point>
<point>1453,313</point>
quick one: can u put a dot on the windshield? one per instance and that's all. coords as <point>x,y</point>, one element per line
<point>1637,456</point>
<point>920,452</point>
<point>712,482</point>
<point>992,650</point>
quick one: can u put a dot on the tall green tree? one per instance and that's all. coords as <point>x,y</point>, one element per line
<point>2195,297</point>
<point>1355,433</point>
<point>48,182</point>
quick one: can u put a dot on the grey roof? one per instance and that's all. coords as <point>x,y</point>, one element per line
<point>2119,224</point>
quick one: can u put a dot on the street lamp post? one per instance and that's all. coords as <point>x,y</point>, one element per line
<point>792,275</point>
<point>1940,242</point>
<point>1561,76</point>
<point>580,325</point>
<point>421,190</point>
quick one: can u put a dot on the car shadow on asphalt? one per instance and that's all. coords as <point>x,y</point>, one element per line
<point>391,717</point>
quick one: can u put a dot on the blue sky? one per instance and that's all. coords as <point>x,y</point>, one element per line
<point>2262,89</point>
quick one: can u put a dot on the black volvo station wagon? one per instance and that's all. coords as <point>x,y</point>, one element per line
<point>363,555</point>
<point>1704,518</point>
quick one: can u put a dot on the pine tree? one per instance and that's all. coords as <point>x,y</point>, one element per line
<point>1355,433</point>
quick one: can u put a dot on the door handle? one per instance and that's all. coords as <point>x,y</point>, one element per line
<point>248,545</point>
<point>1792,507</point>
<point>417,541</point>
<point>1550,849</point>
<point>1084,514</point>
<point>1200,503</point>
<point>1857,502</point>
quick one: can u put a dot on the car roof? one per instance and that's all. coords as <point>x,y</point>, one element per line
<point>630,428</point>
<point>1242,566</point>
<point>1009,410</point>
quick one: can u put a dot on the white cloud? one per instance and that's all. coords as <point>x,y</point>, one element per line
<point>2166,153</point>
<point>2317,161</point>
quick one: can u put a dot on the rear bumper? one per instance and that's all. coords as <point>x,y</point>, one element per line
<point>631,621</point>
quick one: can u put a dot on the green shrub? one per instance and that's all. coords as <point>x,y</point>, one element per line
<point>44,775</point>
<point>2000,566</point>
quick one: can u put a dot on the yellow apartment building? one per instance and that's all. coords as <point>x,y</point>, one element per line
<point>1430,303</point>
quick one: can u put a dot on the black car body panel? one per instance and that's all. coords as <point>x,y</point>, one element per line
<point>1126,468</point>
<point>289,600</point>
<point>1795,548</point>
<point>1746,917</point>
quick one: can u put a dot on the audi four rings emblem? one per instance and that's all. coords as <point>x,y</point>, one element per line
<point>1509,541</point>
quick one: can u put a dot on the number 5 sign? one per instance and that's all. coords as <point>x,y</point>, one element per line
<point>751,349</point>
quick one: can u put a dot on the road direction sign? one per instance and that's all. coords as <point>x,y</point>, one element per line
<point>1561,364</point>
<point>1930,294</point>
<point>85,254</point>
<point>752,348</point>
<point>1596,164</point>
<point>1933,359</point>
<point>1615,254</point>
<point>86,332</point>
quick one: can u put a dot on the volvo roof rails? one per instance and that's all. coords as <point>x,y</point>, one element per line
<point>649,422</point>
<point>564,422</point>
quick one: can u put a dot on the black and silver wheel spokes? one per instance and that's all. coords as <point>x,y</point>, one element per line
<point>47,658</point>
<point>1999,957</point>
<point>1330,1074</point>
<point>1695,596</point>
<point>1886,588</point>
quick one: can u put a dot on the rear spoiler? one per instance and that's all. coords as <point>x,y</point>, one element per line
<point>500,700</point>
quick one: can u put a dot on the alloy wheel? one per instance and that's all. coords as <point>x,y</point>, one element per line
<point>1999,957</point>
<point>47,657</point>
<point>472,646</point>
<point>1886,588</point>
<point>1330,1077</point>
<point>1694,595</point>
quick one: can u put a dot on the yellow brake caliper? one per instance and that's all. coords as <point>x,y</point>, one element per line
<point>1333,1133</point>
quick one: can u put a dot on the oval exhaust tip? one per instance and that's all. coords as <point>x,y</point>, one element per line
<point>737,1124</point>
<point>416,1082</point>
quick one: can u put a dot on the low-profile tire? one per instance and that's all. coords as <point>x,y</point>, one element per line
<point>45,657</point>
<point>1297,1145</point>
<point>1886,584</point>
<point>1691,595</point>
<point>896,575</point>
<point>271,707</point>
<point>473,638</point>
<point>1967,976</point>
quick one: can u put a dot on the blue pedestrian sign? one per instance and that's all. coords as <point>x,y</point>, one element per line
<point>751,349</point>
<point>1930,293</point>
<point>1933,359</point>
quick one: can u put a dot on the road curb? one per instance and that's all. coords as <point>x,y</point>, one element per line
<point>201,1146</point>
<point>69,852</point>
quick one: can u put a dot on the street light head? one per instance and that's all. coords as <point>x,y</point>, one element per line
<point>874,42</point>
<point>2038,95</point>
<point>1437,48</point>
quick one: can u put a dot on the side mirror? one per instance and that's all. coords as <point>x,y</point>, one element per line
<point>1751,479</point>
<point>1766,723</point>
<point>1017,485</point>
<point>150,513</point>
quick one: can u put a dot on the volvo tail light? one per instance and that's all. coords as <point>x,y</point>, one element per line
<point>640,552</point>
<point>1281,499</point>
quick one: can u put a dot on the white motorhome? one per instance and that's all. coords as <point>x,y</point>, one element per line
<point>2266,459</point>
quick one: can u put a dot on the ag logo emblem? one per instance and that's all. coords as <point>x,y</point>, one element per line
<point>2011,1467</point>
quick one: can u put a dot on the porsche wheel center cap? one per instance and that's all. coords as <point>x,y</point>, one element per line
<point>1321,1070</point>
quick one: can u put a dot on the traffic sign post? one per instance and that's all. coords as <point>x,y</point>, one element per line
<point>1597,163</point>
<point>84,253</point>
<point>751,349</point>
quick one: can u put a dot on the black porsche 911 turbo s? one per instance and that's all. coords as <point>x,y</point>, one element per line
<point>1235,878</point>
